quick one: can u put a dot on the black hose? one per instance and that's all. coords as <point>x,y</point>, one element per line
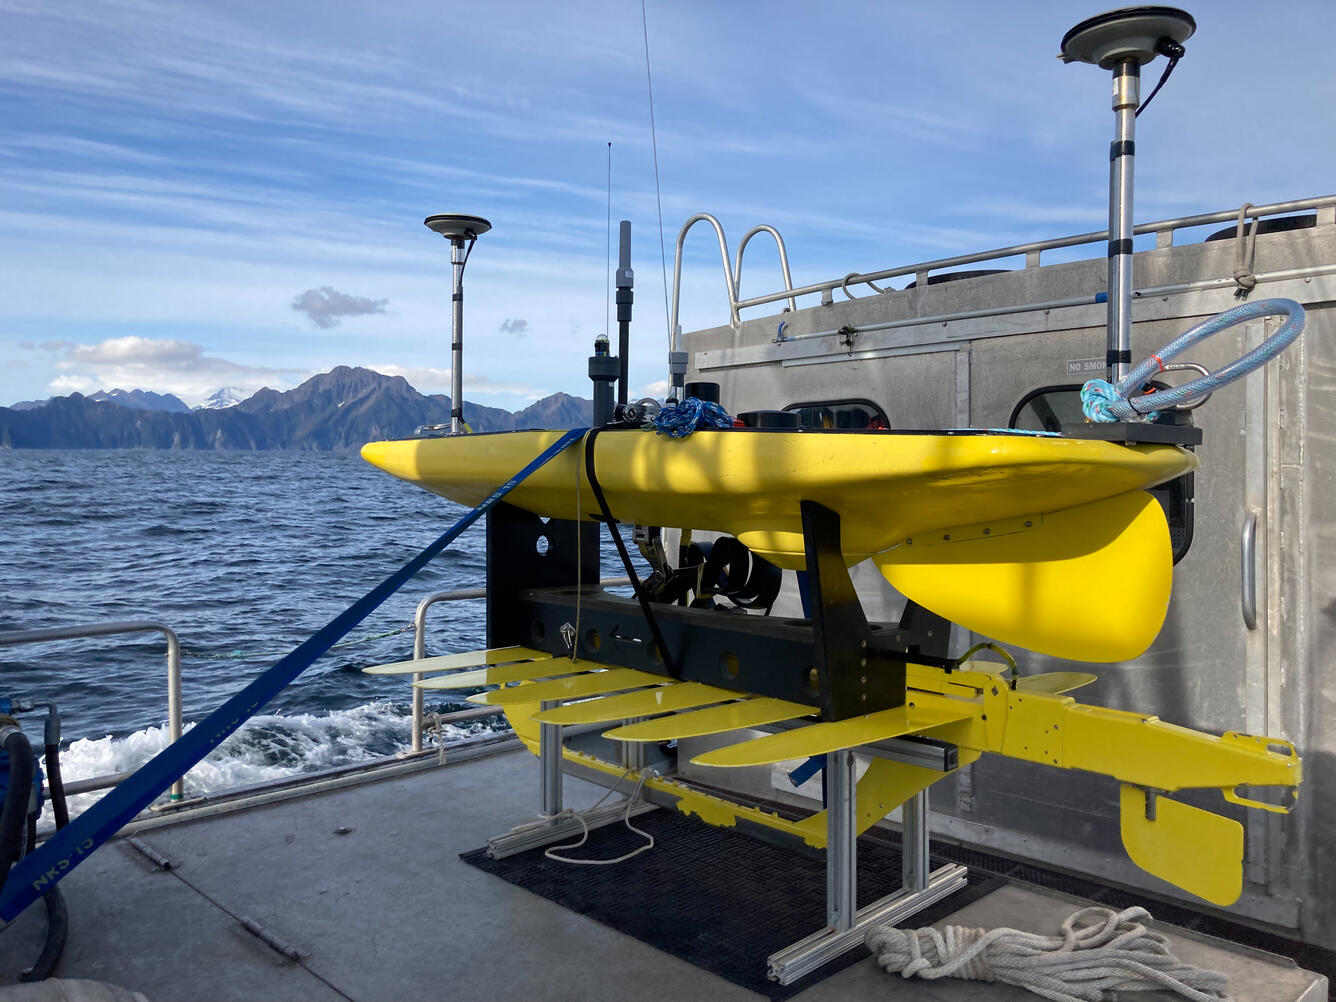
<point>59,806</point>
<point>57,928</point>
<point>14,817</point>
<point>18,834</point>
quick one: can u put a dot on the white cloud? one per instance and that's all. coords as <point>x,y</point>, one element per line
<point>164,366</point>
<point>657,389</point>
<point>425,379</point>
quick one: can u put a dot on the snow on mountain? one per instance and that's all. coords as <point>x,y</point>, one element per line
<point>228,396</point>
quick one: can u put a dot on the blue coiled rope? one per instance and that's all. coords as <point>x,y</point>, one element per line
<point>1105,401</point>
<point>680,420</point>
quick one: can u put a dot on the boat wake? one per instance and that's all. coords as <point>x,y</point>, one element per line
<point>268,747</point>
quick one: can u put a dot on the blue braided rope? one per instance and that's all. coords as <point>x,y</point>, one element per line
<point>1104,401</point>
<point>680,420</point>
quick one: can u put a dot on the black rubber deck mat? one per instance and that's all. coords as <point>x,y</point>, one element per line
<point>765,896</point>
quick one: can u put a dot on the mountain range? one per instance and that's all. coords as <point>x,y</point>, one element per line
<point>340,409</point>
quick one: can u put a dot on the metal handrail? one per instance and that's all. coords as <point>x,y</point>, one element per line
<point>48,634</point>
<point>730,286</point>
<point>420,641</point>
<point>783,262</point>
<point>14,638</point>
<point>1032,251</point>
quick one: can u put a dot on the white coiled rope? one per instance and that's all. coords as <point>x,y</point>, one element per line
<point>1099,950</point>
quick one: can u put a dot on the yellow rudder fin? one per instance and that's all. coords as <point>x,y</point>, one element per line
<point>1190,848</point>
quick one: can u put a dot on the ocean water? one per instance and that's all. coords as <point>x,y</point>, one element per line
<point>244,555</point>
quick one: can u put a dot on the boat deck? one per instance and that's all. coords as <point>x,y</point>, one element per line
<point>366,885</point>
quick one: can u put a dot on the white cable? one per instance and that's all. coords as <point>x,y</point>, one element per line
<point>551,852</point>
<point>1115,952</point>
<point>546,820</point>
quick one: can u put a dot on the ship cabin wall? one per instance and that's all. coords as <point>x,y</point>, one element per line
<point>1269,449</point>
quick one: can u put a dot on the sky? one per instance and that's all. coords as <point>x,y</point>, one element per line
<point>231,194</point>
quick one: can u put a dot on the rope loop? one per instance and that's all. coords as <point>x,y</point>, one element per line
<point>680,420</point>
<point>1243,273</point>
<point>1105,401</point>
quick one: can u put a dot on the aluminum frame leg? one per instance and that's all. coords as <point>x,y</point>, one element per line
<point>549,764</point>
<point>841,840</point>
<point>847,925</point>
<point>914,842</point>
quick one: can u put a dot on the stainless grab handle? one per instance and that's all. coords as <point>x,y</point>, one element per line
<point>1248,567</point>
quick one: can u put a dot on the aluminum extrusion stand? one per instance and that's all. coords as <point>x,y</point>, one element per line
<point>846,656</point>
<point>846,923</point>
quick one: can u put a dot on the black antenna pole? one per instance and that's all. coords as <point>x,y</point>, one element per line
<point>625,297</point>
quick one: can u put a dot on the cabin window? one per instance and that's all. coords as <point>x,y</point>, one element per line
<point>1048,408</point>
<point>844,414</point>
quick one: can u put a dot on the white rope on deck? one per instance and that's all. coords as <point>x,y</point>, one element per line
<point>1099,950</point>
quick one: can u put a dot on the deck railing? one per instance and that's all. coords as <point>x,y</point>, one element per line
<point>1164,230</point>
<point>175,725</point>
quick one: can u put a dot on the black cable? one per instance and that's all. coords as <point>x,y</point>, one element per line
<point>668,661</point>
<point>54,783</point>
<point>57,930</point>
<point>14,817</point>
<point>1166,47</point>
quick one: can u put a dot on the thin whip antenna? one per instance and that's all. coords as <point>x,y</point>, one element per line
<point>607,305</point>
<point>654,140</point>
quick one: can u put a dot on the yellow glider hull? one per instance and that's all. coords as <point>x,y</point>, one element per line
<point>886,486</point>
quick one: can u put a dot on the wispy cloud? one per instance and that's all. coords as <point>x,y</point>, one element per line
<point>165,366</point>
<point>517,326</point>
<point>327,306</point>
<point>425,379</point>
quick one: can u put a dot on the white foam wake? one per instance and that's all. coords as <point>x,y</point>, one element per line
<point>265,748</point>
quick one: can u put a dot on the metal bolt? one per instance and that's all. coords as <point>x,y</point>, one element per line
<point>862,662</point>
<point>987,532</point>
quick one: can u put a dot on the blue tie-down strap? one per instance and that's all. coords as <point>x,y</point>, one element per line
<point>40,870</point>
<point>807,770</point>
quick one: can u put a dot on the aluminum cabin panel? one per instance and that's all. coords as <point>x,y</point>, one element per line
<point>1269,451</point>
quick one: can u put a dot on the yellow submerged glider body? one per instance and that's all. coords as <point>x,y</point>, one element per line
<point>992,531</point>
<point>978,708</point>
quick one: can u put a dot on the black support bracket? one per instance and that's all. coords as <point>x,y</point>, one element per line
<point>853,676</point>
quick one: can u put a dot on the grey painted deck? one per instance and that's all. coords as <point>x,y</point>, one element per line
<point>388,912</point>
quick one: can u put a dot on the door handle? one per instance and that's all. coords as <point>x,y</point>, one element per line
<point>1248,568</point>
